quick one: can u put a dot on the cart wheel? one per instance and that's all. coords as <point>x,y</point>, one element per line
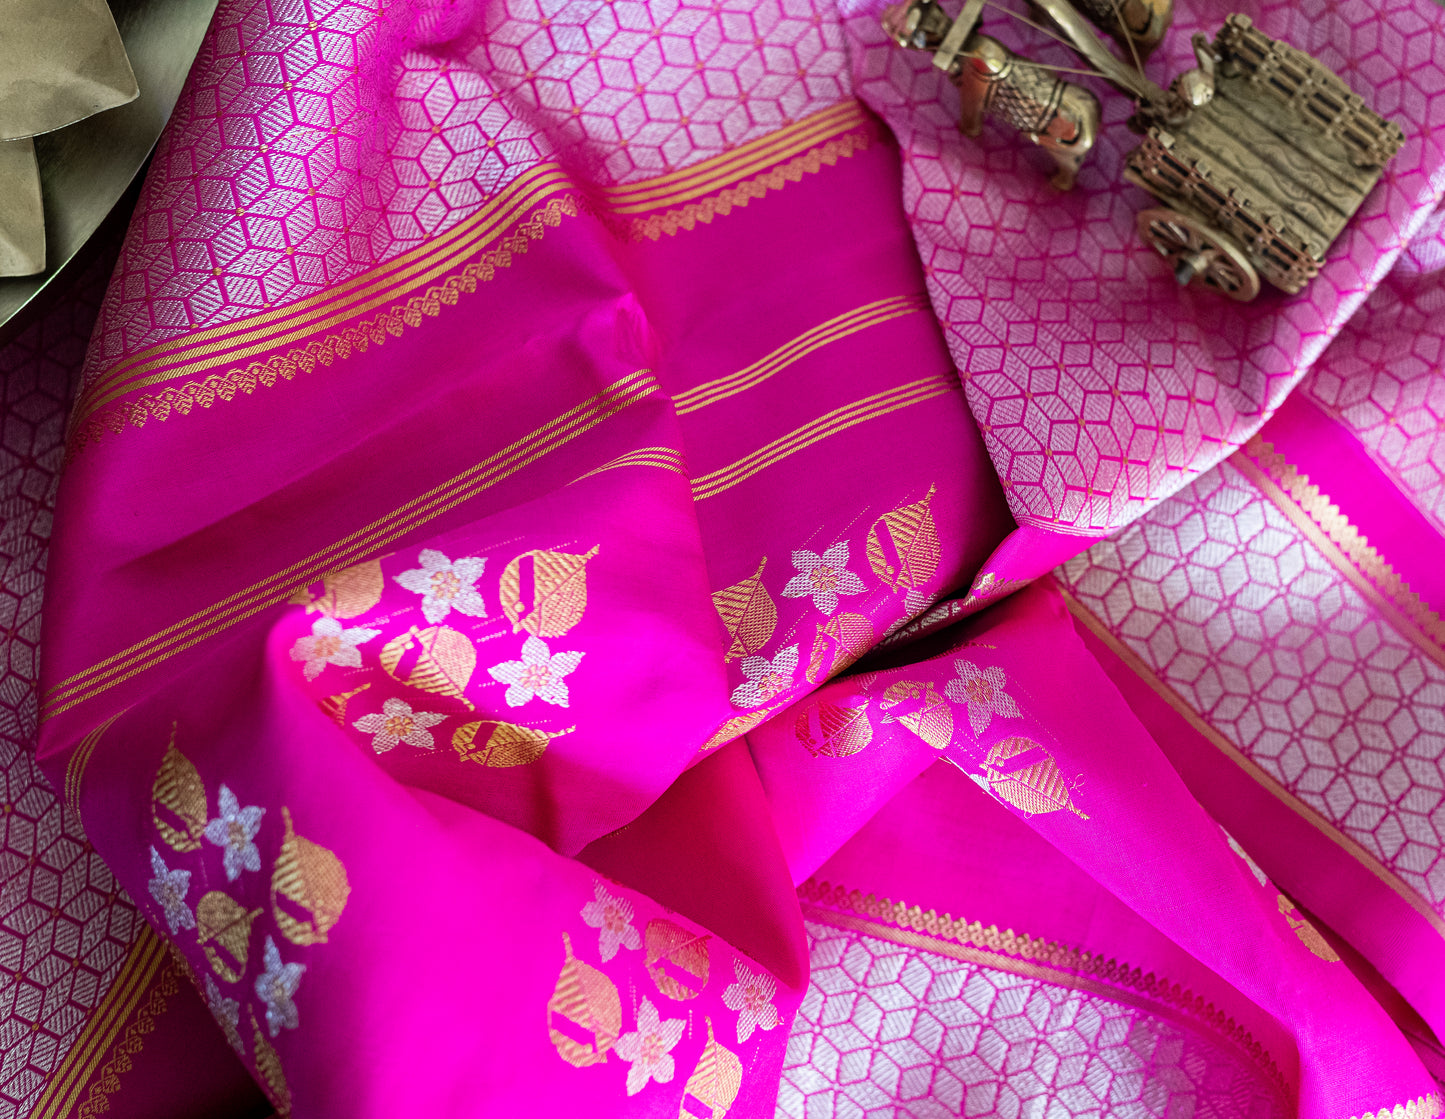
<point>1199,253</point>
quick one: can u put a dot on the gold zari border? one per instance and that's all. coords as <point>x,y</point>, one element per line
<point>1248,765</point>
<point>105,1085</point>
<point>362,544</point>
<point>93,421</point>
<point>1426,1107</point>
<point>1330,531</point>
<point>1033,958</point>
<point>95,1039</point>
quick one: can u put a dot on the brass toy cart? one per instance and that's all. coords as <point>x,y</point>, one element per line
<point>1259,156</point>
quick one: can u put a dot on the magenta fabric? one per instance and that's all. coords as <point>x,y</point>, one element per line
<point>546,479</point>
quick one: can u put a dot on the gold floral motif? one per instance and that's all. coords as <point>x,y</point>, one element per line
<point>922,710</point>
<point>714,1084</point>
<point>904,551</point>
<point>748,613</point>
<point>224,924</point>
<point>445,661</point>
<point>828,730</point>
<point>1308,934</point>
<point>677,959</point>
<point>839,642</point>
<point>313,880</point>
<point>178,789</point>
<point>268,1068</point>
<point>545,593</point>
<point>345,594</point>
<point>334,706</point>
<point>1024,774</point>
<point>506,745</point>
<point>584,1004</point>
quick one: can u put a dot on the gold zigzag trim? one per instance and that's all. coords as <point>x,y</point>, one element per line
<point>97,1101</point>
<point>356,337</point>
<point>359,545</point>
<point>1426,1107</point>
<point>102,1026</point>
<point>1070,962</point>
<point>1342,544</point>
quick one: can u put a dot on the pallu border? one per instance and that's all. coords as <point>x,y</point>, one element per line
<point>1039,959</point>
<point>96,1042</point>
<point>220,363</point>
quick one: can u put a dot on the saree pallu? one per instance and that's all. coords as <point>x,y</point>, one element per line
<point>529,621</point>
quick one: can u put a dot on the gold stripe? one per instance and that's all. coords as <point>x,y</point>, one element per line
<point>75,767</point>
<point>661,458</point>
<point>1252,770</point>
<point>475,231</point>
<point>351,549</point>
<point>100,1030</point>
<point>835,329</point>
<point>1338,541</point>
<point>840,419</point>
<point>1031,958</point>
<point>101,413</point>
<point>732,167</point>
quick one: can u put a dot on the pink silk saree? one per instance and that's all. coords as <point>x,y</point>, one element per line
<point>608,562</point>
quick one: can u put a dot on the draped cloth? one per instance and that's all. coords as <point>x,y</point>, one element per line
<point>533,620</point>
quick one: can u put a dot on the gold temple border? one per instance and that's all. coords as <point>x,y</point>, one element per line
<point>1338,541</point>
<point>123,1049</point>
<point>1251,769</point>
<point>100,1030</point>
<point>795,349</point>
<point>359,545</point>
<point>1034,958</point>
<point>831,423</point>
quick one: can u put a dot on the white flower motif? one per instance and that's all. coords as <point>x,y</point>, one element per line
<point>233,831</point>
<point>982,691</point>
<point>614,917</point>
<point>538,674</point>
<point>276,987</point>
<point>330,644</point>
<point>169,888</point>
<point>752,997</point>
<point>649,1048</point>
<point>226,1012</point>
<point>397,723</point>
<point>765,678</point>
<point>446,585</point>
<point>824,577</point>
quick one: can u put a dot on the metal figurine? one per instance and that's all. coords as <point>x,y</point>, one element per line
<point>1259,154</point>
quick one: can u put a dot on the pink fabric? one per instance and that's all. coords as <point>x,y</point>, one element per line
<point>434,657</point>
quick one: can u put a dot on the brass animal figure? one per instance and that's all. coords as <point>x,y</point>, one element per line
<point>1059,116</point>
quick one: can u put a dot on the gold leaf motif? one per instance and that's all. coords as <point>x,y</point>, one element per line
<point>445,661</point>
<point>348,593</point>
<point>748,613</point>
<point>841,640</point>
<point>507,745</point>
<point>827,730</point>
<point>222,923</point>
<point>334,706</point>
<point>921,709</point>
<point>677,960</point>
<point>584,1014</point>
<point>1024,774</point>
<point>1308,934</point>
<point>903,547</point>
<point>178,790</point>
<point>313,880</point>
<point>555,596</point>
<point>714,1084</point>
<point>268,1067</point>
<point>736,727</point>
